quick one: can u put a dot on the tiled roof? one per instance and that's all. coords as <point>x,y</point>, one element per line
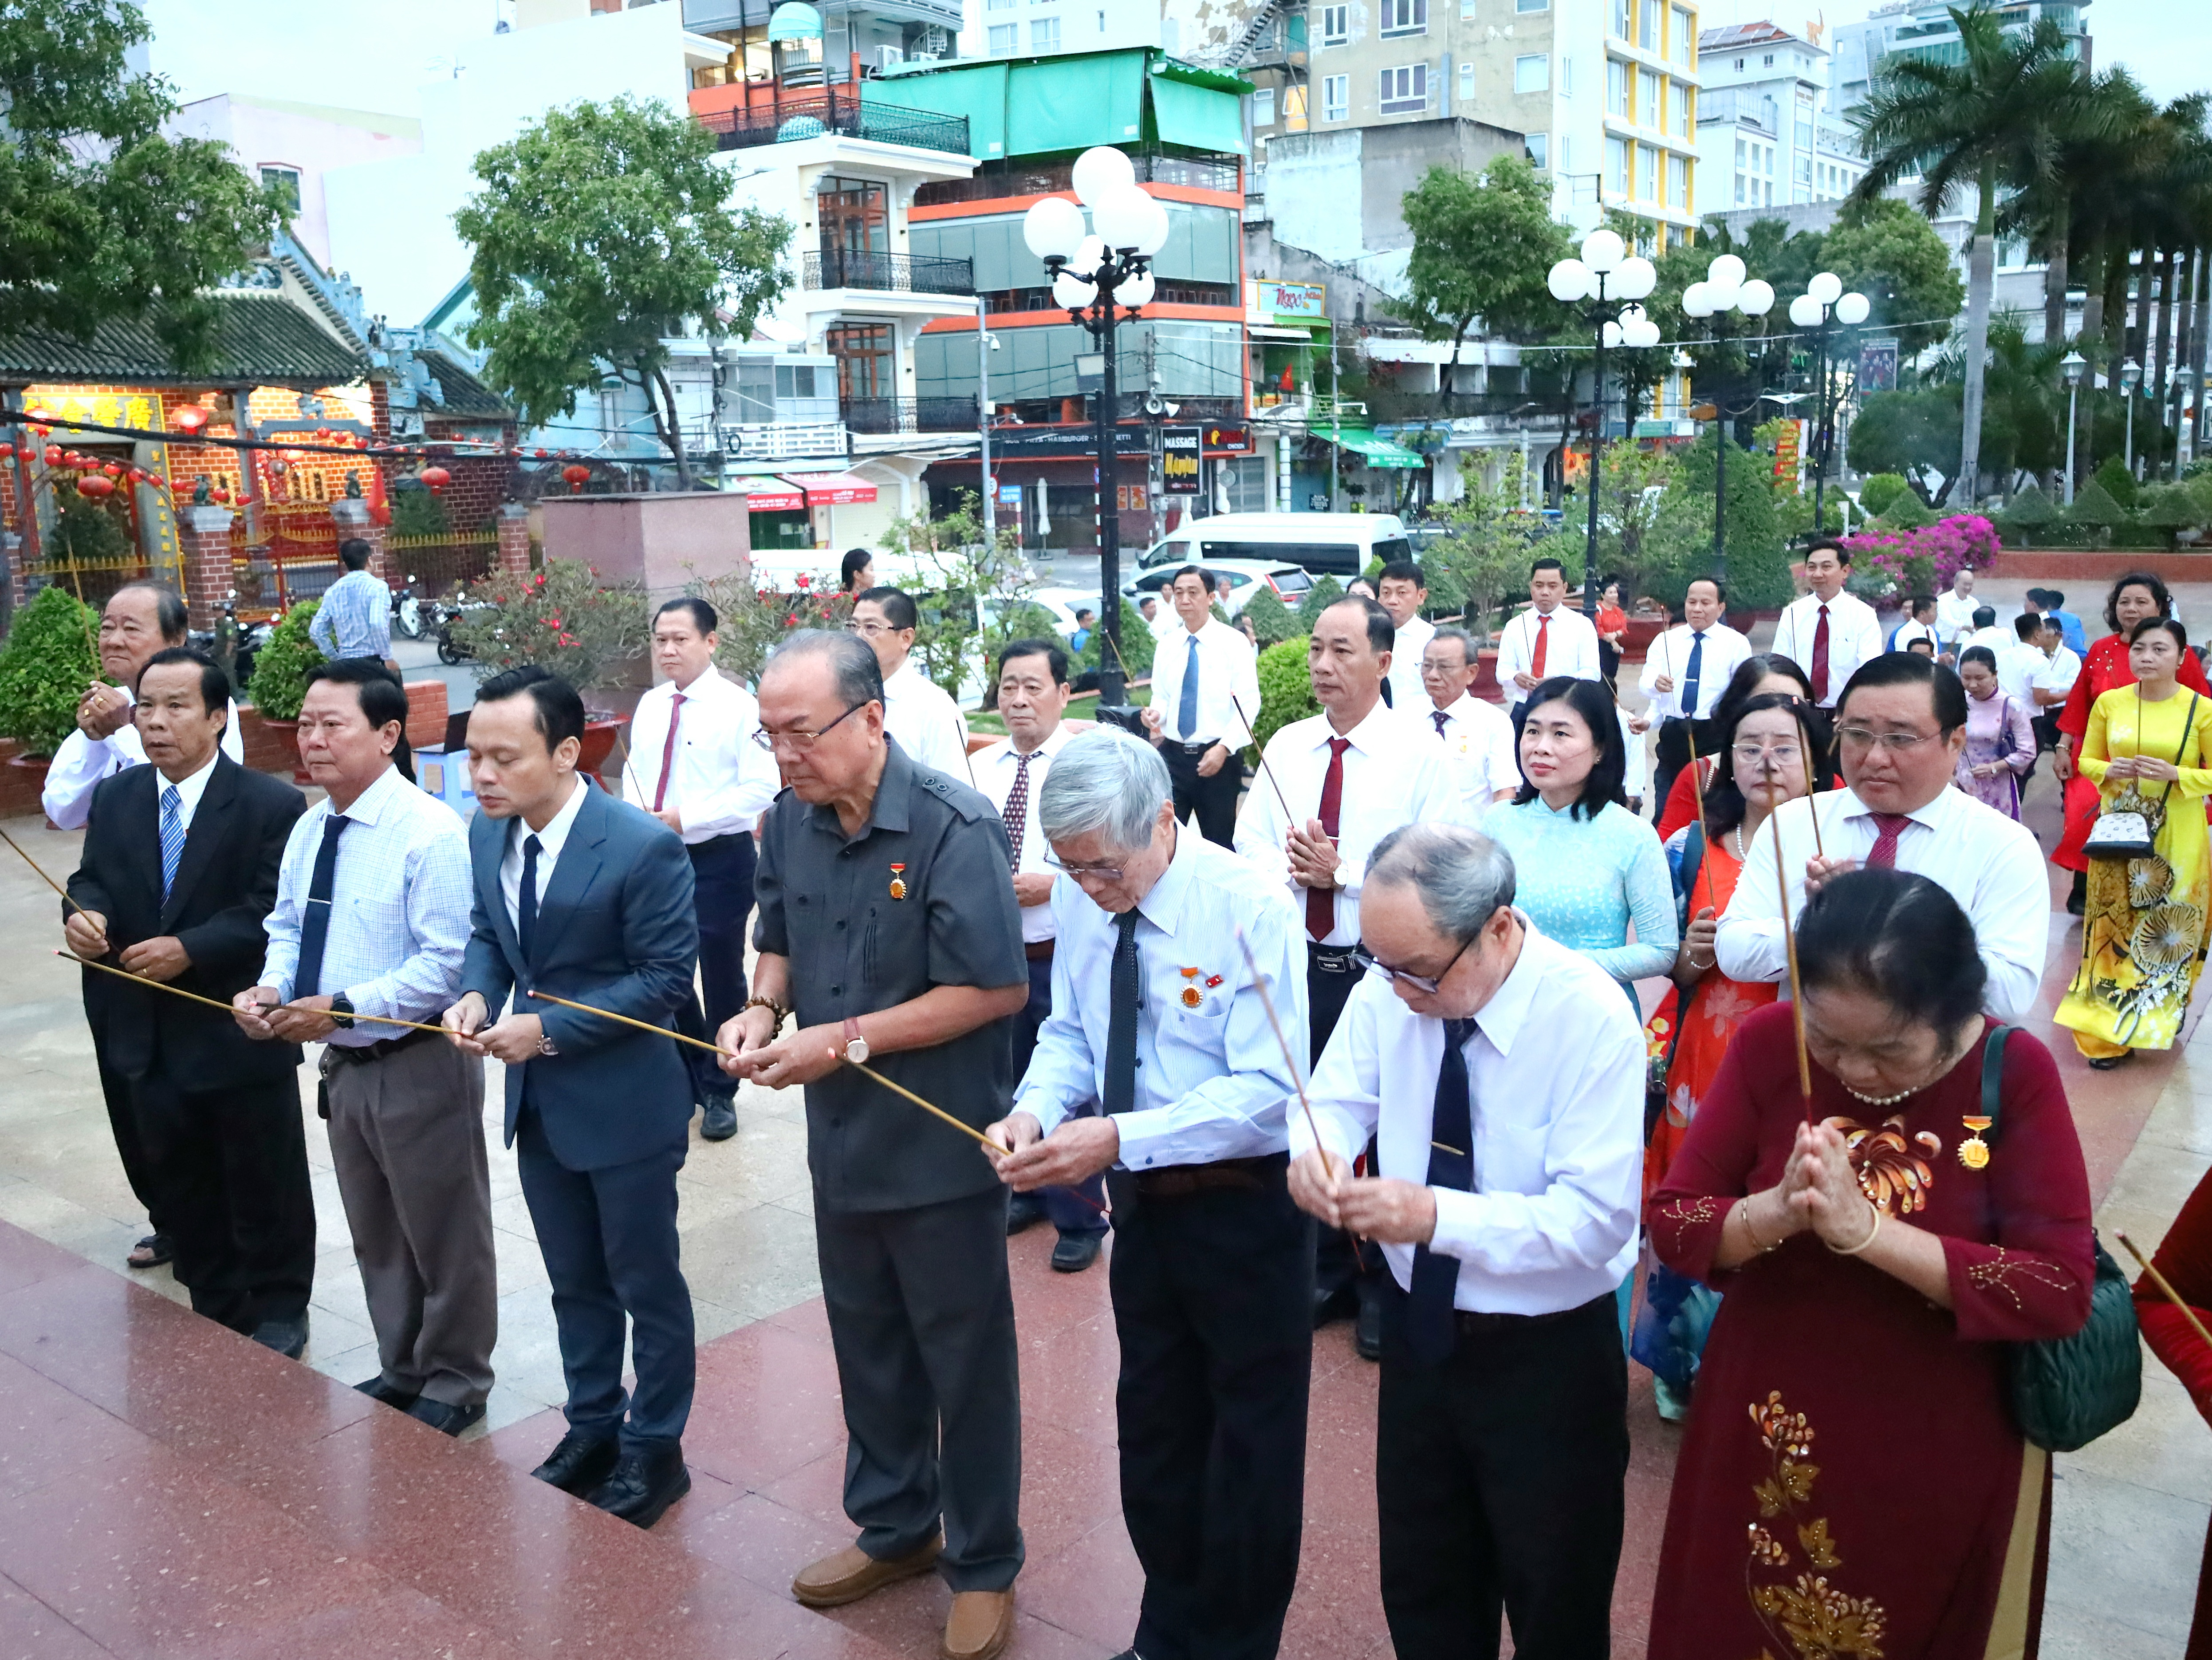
<point>466,397</point>
<point>260,339</point>
<point>1731,36</point>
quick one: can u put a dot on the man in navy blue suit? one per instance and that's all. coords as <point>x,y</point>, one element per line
<point>588,899</point>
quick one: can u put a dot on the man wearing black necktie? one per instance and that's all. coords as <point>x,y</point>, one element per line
<point>179,868</point>
<point>1504,1089</point>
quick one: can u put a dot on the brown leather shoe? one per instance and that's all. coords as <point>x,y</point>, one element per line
<point>847,1575</point>
<point>980,1626</point>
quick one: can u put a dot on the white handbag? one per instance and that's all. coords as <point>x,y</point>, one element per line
<point>2126,831</point>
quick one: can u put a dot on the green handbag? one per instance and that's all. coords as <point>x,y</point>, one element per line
<point>2067,1391</point>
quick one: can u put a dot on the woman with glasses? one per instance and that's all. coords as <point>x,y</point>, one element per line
<point>1757,675</point>
<point>1764,761</point>
<point>2000,743</point>
<point>2142,931</point>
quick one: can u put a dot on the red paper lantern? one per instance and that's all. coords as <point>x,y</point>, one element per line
<point>53,455</point>
<point>575,474</point>
<point>7,450</point>
<point>97,485</point>
<point>190,419</point>
<point>114,470</point>
<point>436,478</point>
<point>137,475</point>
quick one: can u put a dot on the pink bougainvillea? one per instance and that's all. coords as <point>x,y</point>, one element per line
<point>1932,554</point>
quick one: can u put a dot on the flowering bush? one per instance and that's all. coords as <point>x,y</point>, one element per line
<point>1925,561</point>
<point>561,618</point>
<point>752,622</point>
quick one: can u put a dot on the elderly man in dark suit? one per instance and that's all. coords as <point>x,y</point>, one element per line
<point>180,869</point>
<point>588,899</point>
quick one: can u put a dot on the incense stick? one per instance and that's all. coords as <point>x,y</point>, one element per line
<point>1790,947</point>
<point>1268,1007</point>
<point>43,877</point>
<point>1251,731</point>
<point>214,1003</point>
<point>2166,1289</point>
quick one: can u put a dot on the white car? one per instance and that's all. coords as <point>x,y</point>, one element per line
<point>1245,578</point>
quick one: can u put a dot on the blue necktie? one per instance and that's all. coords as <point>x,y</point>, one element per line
<point>1429,1330</point>
<point>173,838</point>
<point>315,919</point>
<point>1690,676</point>
<point>525,908</point>
<point>1187,705</point>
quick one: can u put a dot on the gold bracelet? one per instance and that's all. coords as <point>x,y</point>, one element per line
<point>1744,1209</point>
<point>1853,1251</point>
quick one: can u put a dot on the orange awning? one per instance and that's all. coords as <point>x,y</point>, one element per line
<point>773,496</point>
<point>832,489</point>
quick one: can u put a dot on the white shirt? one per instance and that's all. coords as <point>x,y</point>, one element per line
<point>189,791</point>
<point>1212,1082</point>
<point>1908,631</point>
<point>1955,614</point>
<point>1228,677</point>
<point>1983,858</point>
<point>1999,640</point>
<point>2017,667</point>
<point>1555,1081</point>
<point>927,722</point>
<point>1164,621</point>
<point>996,769</point>
<point>721,780</point>
<point>550,841</point>
<point>1854,635</point>
<point>82,762</point>
<point>1571,649</point>
<point>2059,672</point>
<point>1390,778</point>
<point>1407,692</point>
<point>1478,737</point>
<point>1668,658</point>
<point>1635,756</point>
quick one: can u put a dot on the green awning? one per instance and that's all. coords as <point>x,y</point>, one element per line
<point>977,91</point>
<point>1378,452</point>
<point>1197,117</point>
<point>1073,103</point>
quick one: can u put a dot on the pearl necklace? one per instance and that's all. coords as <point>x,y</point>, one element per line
<point>1881,1100</point>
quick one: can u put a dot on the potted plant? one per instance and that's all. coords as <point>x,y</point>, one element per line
<point>279,686</point>
<point>47,664</point>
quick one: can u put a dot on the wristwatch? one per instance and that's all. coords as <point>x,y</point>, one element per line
<point>342,1010</point>
<point>856,1047</point>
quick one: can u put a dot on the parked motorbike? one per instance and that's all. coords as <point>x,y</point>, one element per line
<point>407,611</point>
<point>450,649</point>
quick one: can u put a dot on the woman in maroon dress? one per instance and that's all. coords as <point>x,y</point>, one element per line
<point>1852,1481</point>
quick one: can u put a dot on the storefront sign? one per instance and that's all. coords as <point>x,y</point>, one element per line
<point>1180,459</point>
<point>1786,450</point>
<point>1228,440</point>
<point>1306,301</point>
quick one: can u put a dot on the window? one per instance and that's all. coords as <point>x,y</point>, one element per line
<point>1621,18</point>
<point>854,215</point>
<point>1335,24</point>
<point>1567,77</point>
<point>285,181</point>
<point>1739,190</point>
<point>1336,98</point>
<point>1685,37</point>
<point>1616,165</point>
<point>1294,109</point>
<point>1404,18</point>
<point>1044,34</point>
<point>1536,148</point>
<point>1683,111</point>
<point>1647,173</point>
<point>1804,169</point>
<point>1739,63</point>
<point>1404,90</point>
<point>1616,87</point>
<point>1677,181</point>
<point>1652,12</point>
<point>1566,152</point>
<point>1532,74</point>
<point>1770,61</point>
<point>866,366</point>
<point>1467,83</point>
<point>1002,39</point>
<point>1263,107</point>
<point>1650,101</point>
<point>999,5</point>
<point>1739,153</point>
<point>1532,5</point>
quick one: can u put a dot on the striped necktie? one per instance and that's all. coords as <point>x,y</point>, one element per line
<point>173,837</point>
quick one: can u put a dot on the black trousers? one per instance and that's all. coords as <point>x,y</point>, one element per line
<point>1338,1261</point>
<point>1212,1300</point>
<point>130,1147</point>
<point>1068,1213</point>
<point>1672,753</point>
<point>230,1166</point>
<point>1499,1478</point>
<point>722,898</point>
<point>1211,801</point>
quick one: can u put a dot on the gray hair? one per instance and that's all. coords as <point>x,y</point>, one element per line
<point>1104,779</point>
<point>860,677</point>
<point>1466,642</point>
<point>1462,876</point>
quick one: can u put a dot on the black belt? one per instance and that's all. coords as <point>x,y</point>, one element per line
<point>1194,745</point>
<point>1037,951</point>
<point>362,1055</point>
<point>1329,959</point>
<point>1181,1181</point>
<point>1468,1323</point>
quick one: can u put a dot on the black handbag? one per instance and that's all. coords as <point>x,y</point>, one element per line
<point>2067,1391</point>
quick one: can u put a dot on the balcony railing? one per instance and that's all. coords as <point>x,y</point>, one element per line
<point>893,415</point>
<point>887,273</point>
<point>833,110</point>
<point>755,440</point>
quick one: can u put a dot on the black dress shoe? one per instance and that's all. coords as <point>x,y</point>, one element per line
<point>1024,1210</point>
<point>151,1252</point>
<point>643,1485</point>
<point>390,1394</point>
<point>445,1418</point>
<point>288,1337</point>
<point>1367,1333</point>
<point>1338,1304</point>
<point>719,1121</point>
<point>1077,1251</point>
<point>579,1464</point>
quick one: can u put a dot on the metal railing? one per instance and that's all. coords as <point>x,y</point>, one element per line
<point>768,439</point>
<point>887,273</point>
<point>833,110</point>
<point>889,415</point>
<point>438,562</point>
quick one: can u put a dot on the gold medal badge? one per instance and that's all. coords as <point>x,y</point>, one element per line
<point>1192,996</point>
<point>1973,1151</point>
<point>898,881</point>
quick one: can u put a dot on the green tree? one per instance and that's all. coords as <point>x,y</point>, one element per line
<point>104,218</point>
<point>1758,562</point>
<point>955,637</point>
<point>1637,539</point>
<point>1888,251</point>
<point>1880,489</point>
<point>1325,593</point>
<point>1483,556</point>
<point>600,233</point>
<point>279,686</point>
<point>1907,432</point>
<point>1285,690</point>
<point>45,670</point>
<point>1482,247</point>
<point>2118,483</point>
<point>1272,620</point>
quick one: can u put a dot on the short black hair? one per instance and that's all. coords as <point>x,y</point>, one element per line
<point>1923,647</point>
<point>1720,588</point>
<point>1923,602</point>
<point>1404,570</point>
<point>1744,683</point>
<point>1547,564</point>
<point>1902,668</point>
<point>1830,545</point>
<point>1594,705</point>
<point>383,699</point>
<point>2035,596</point>
<point>1985,617</point>
<point>897,604</point>
<point>703,616</point>
<point>169,613</point>
<point>1899,936</point>
<point>1050,650</point>
<point>1382,632</point>
<point>2152,624</point>
<point>1981,655</point>
<point>215,684</point>
<point>1204,576</point>
<point>1081,611</point>
<point>856,561</point>
<point>2028,624</point>
<point>2056,599</point>
<point>2148,579</point>
<point>355,554</point>
<point>560,711</point>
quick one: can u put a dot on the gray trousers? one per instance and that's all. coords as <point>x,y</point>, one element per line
<point>407,1139</point>
<point>921,1316</point>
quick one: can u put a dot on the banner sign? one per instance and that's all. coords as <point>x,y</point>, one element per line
<point>1179,460</point>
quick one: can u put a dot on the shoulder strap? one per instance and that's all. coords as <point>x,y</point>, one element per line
<point>1993,1052</point>
<point>2180,744</point>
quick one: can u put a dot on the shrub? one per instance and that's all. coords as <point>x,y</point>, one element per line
<point>1925,559</point>
<point>1319,598</point>
<point>751,622</point>
<point>2094,505</point>
<point>1286,689</point>
<point>279,686</point>
<point>2118,483</point>
<point>561,618</point>
<point>1271,618</point>
<point>1881,490</point>
<point>417,512</point>
<point>2030,506</point>
<point>87,532</point>
<point>2171,507</point>
<point>1136,648</point>
<point>48,663</point>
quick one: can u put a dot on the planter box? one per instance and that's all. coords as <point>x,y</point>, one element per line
<point>2055,566</point>
<point>21,780</point>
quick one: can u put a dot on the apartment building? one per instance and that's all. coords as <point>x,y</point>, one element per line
<point>1924,28</point>
<point>1036,28</point>
<point>1767,135</point>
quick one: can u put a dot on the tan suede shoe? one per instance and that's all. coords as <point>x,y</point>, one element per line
<point>847,1575</point>
<point>980,1626</point>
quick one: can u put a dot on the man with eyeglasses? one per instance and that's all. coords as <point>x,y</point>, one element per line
<point>888,925</point>
<point>919,713</point>
<point>1502,1076</point>
<point>1899,731</point>
<point>1684,672</point>
<point>1160,1067</point>
<point>1476,736</point>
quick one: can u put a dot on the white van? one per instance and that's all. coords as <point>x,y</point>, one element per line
<point>1338,544</point>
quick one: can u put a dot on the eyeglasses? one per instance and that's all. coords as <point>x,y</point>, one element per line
<point>1897,743</point>
<point>1367,963</point>
<point>868,631</point>
<point>1755,755</point>
<point>1108,873</point>
<point>801,741</point>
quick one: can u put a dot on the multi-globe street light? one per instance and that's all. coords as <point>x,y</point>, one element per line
<point>1101,275</point>
<point>1605,285</point>
<point>1822,306</point>
<point>2072,366</point>
<point>1725,289</point>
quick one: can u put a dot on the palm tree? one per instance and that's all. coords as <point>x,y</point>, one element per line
<point>1993,119</point>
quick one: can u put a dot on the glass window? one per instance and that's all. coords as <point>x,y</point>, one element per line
<point>854,215</point>
<point>1650,100</point>
<point>1335,97</point>
<point>1532,5</point>
<point>1616,87</point>
<point>1532,74</point>
<point>1739,152</point>
<point>865,365</point>
<point>1567,77</point>
<point>1404,90</point>
<point>1263,107</point>
<point>1685,37</point>
<point>1621,18</point>
<point>1652,12</point>
<point>1647,173</point>
<point>1616,165</point>
<point>1681,100</point>
<point>285,181</point>
<point>1335,24</point>
<point>1405,17</point>
<point>1804,169</point>
<point>1739,190</point>
<point>1044,34</point>
<point>1677,181</point>
<point>999,5</point>
<point>1467,83</point>
<point>1537,148</point>
<point>1002,41</point>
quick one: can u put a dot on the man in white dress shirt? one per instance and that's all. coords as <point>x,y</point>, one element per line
<point>1900,732</point>
<point>1686,670</point>
<point>1403,590</point>
<point>1955,611</point>
<point>1547,639</point>
<point>2021,659</point>
<point>1919,625</point>
<point>1501,1077</point>
<point>1033,694</point>
<point>920,715</point>
<point>2054,680</point>
<point>1828,633</point>
<point>696,765</point>
<point>1206,685</point>
<point>140,619</point>
<point>1475,734</point>
<point>1157,1019</point>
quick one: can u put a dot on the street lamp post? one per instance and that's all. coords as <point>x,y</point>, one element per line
<point>1617,320</point>
<point>2071,366</point>
<point>1723,291</point>
<point>1820,307</point>
<point>2131,377</point>
<point>2184,378</point>
<point>1094,277</point>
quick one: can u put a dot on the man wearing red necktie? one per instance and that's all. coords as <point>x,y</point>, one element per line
<point>1827,632</point>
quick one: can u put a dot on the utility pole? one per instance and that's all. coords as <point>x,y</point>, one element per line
<point>983,426</point>
<point>1153,410</point>
<point>1336,421</point>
